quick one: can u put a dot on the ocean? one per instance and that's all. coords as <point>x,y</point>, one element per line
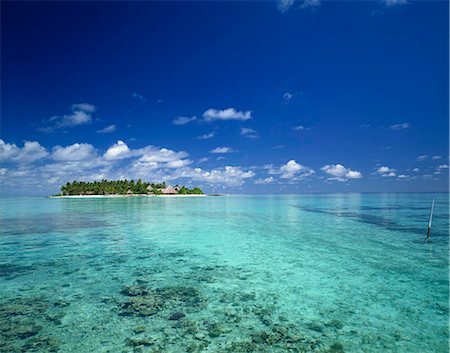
<point>244,273</point>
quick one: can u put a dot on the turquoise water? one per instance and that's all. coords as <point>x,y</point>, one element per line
<point>285,273</point>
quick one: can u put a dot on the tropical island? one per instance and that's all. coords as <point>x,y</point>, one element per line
<point>115,188</point>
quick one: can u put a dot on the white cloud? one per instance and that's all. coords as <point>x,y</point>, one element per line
<point>249,133</point>
<point>268,180</point>
<point>416,170</point>
<point>310,4</point>
<point>139,97</point>
<point>298,128</point>
<point>206,136</point>
<point>117,151</point>
<point>179,163</point>
<point>403,176</point>
<point>389,3</point>
<point>183,120</point>
<point>75,152</point>
<point>436,157</point>
<point>80,161</point>
<point>53,180</point>
<point>226,114</point>
<point>400,126</point>
<point>85,107</point>
<point>81,115</point>
<point>152,158</point>
<point>341,173</point>
<point>285,5</point>
<point>107,130</point>
<point>222,150</point>
<point>30,152</point>
<point>287,96</point>
<point>440,169</point>
<point>292,170</point>
<point>78,117</point>
<point>229,175</point>
<point>386,171</point>
<point>422,157</point>
<point>160,155</point>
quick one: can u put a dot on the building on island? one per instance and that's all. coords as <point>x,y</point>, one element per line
<point>169,191</point>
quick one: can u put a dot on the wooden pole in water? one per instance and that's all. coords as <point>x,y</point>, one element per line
<point>430,220</point>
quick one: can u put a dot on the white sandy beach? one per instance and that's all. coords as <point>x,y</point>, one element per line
<point>120,196</point>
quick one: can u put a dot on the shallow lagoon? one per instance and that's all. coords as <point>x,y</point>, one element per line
<point>272,273</point>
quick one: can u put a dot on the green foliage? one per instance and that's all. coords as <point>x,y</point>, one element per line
<point>184,190</point>
<point>119,187</point>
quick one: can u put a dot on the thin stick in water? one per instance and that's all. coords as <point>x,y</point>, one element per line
<point>430,219</point>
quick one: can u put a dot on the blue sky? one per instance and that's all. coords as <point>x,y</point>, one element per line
<point>249,97</point>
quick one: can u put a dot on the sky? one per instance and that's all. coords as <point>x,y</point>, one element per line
<point>235,97</point>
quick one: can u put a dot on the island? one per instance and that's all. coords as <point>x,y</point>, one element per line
<point>124,188</point>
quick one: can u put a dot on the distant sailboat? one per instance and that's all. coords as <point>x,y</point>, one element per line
<point>430,220</point>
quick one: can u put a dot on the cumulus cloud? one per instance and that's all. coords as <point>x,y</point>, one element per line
<point>222,150</point>
<point>30,152</point>
<point>292,170</point>
<point>81,161</point>
<point>298,128</point>
<point>139,97</point>
<point>386,171</point>
<point>400,126</point>
<point>440,169</point>
<point>286,5</point>
<point>265,181</point>
<point>436,157</point>
<point>117,151</point>
<point>206,136</point>
<point>84,107</point>
<point>249,133</point>
<point>310,4</point>
<point>390,3</point>
<point>81,115</point>
<point>287,96</point>
<point>160,155</point>
<point>422,157</point>
<point>107,130</point>
<point>340,173</point>
<point>75,152</point>
<point>183,120</point>
<point>226,114</point>
<point>229,175</point>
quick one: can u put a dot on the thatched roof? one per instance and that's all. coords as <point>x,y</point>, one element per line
<point>169,191</point>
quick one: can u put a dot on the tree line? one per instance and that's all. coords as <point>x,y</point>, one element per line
<point>119,187</point>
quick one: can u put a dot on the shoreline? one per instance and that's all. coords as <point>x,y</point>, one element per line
<point>121,196</point>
